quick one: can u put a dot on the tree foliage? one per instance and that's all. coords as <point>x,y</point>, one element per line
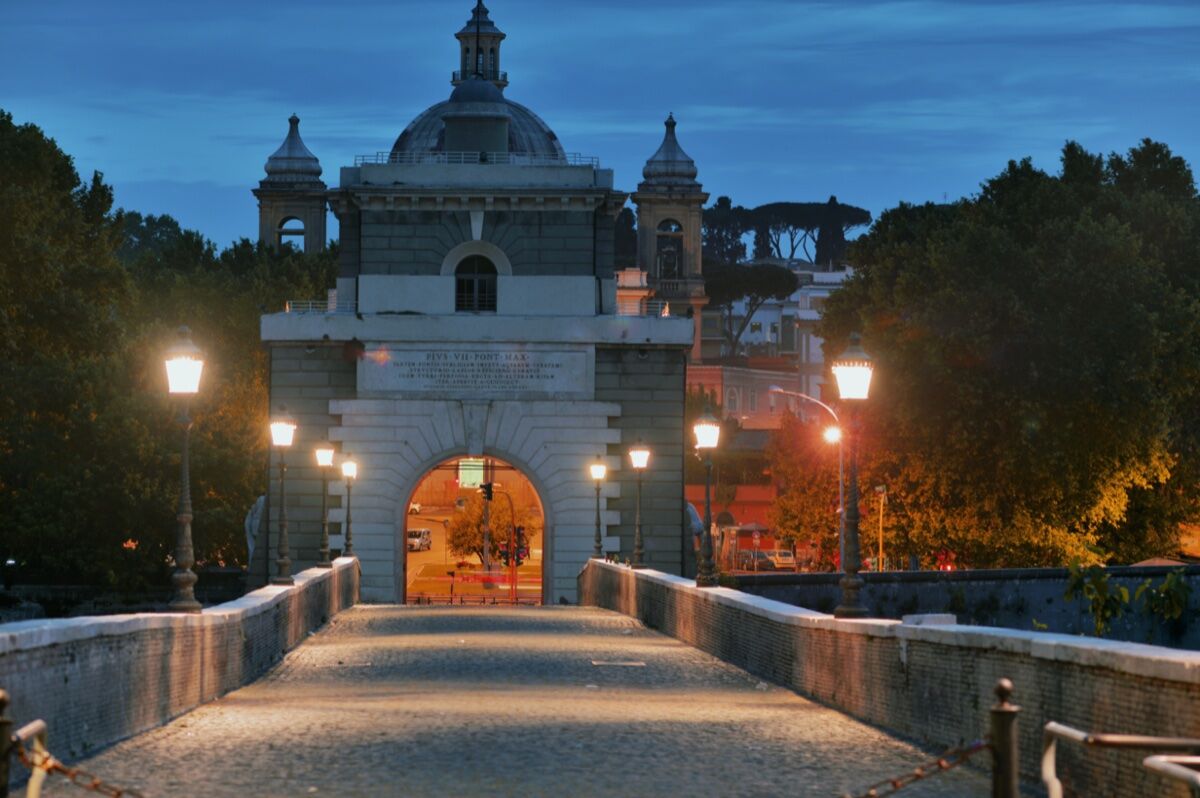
<point>814,230</point>
<point>1037,358</point>
<point>625,243</point>
<point>464,536</point>
<point>724,228</point>
<point>754,284</point>
<point>805,469</point>
<point>89,446</point>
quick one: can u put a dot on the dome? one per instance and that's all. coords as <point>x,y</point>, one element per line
<point>293,162</point>
<point>670,164</point>
<point>527,133</point>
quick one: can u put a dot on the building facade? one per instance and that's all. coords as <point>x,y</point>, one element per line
<point>475,315</point>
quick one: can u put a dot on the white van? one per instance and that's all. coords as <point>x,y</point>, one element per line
<point>420,540</point>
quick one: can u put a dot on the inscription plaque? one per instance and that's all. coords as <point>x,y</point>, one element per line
<point>491,373</point>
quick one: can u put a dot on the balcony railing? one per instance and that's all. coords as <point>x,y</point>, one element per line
<point>687,287</point>
<point>477,158</point>
<point>643,307</point>
<point>488,74</point>
<point>316,306</point>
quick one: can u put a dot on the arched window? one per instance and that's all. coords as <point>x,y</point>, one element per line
<point>466,62</point>
<point>731,400</point>
<point>492,63</point>
<point>669,249</point>
<point>291,231</point>
<point>475,285</point>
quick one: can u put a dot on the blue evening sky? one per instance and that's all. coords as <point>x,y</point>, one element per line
<point>876,101</point>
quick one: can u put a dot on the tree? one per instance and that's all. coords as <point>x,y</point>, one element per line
<point>786,230</point>
<point>805,469</point>
<point>625,243</point>
<point>1037,347</point>
<point>724,228</point>
<point>752,283</point>
<point>464,536</point>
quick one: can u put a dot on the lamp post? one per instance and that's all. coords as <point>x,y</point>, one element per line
<point>639,457</point>
<point>324,463</point>
<point>184,367</point>
<point>832,435</point>
<point>852,370</point>
<point>708,434</point>
<point>283,433</point>
<point>349,473</point>
<point>598,471</point>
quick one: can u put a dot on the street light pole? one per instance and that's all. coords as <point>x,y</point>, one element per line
<point>324,462</point>
<point>853,370</point>
<point>184,367</point>
<point>598,471</point>
<point>639,456</point>
<point>708,433</point>
<point>349,473</point>
<point>283,432</point>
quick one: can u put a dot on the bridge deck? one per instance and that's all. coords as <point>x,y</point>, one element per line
<point>417,701</point>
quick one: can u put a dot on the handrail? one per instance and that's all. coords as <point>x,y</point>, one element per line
<point>1183,769</point>
<point>307,306</point>
<point>1052,732</point>
<point>475,158</point>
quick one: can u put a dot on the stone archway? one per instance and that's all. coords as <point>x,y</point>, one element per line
<point>396,442</point>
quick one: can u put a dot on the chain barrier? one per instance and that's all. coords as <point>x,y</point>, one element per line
<point>947,761</point>
<point>41,764</point>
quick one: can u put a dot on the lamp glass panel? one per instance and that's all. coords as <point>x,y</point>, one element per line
<point>708,434</point>
<point>324,457</point>
<point>283,433</point>
<point>640,457</point>
<point>350,469</point>
<point>599,471</point>
<point>183,374</point>
<point>853,379</point>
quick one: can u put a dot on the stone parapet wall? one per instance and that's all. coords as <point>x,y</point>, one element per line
<point>932,683</point>
<point>98,680</point>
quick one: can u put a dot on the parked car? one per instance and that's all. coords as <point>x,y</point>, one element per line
<point>754,561</point>
<point>782,559</point>
<point>420,540</point>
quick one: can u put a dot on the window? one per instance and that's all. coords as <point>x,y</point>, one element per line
<point>475,286</point>
<point>756,326</point>
<point>731,400</point>
<point>669,254</point>
<point>753,400</point>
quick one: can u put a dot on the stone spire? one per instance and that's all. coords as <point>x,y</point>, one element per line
<point>293,162</point>
<point>670,165</point>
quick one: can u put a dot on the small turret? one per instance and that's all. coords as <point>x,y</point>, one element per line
<point>291,199</point>
<point>479,46</point>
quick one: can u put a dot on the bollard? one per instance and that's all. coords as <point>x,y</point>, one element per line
<point>5,744</point>
<point>1006,754</point>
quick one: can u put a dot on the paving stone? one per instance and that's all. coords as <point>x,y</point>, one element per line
<point>552,701</point>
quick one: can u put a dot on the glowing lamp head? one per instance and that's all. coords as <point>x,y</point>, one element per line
<point>184,364</point>
<point>639,456</point>
<point>833,434</point>
<point>707,430</point>
<point>283,429</point>
<point>350,469</point>
<point>598,470</point>
<point>853,370</point>
<point>324,456</point>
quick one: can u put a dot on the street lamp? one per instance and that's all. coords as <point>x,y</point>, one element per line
<point>185,364</point>
<point>349,473</point>
<point>598,471</point>
<point>832,435</point>
<point>283,432</point>
<point>639,456</point>
<point>324,463</point>
<point>852,370</point>
<point>708,434</point>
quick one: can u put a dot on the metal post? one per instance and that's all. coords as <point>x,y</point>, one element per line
<point>1006,756</point>
<point>183,578</point>
<point>637,525</point>
<point>283,563</point>
<point>841,502</point>
<point>349,552</point>
<point>851,606</point>
<point>6,729</point>
<point>598,543</point>
<point>487,534</point>
<point>706,574</point>
<point>324,562</point>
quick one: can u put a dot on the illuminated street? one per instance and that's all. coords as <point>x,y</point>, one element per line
<point>419,701</point>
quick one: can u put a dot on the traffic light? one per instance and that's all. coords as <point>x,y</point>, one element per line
<point>486,487</point>
<point>521,553</point>
<point>504,553</point>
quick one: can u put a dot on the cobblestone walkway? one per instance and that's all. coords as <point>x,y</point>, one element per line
<point>413,701</point>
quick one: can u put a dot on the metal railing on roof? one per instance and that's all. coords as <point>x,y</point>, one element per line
<point>477,158</point>
<point>486,74</point>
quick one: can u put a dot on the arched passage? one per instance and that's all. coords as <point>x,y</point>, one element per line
<point>475,533</point>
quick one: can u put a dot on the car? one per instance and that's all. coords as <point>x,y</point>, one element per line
<point>782,559</point>
<point>420,540</point>
<point>754,561</point>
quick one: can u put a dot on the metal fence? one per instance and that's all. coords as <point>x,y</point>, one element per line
<point>476,159</point>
